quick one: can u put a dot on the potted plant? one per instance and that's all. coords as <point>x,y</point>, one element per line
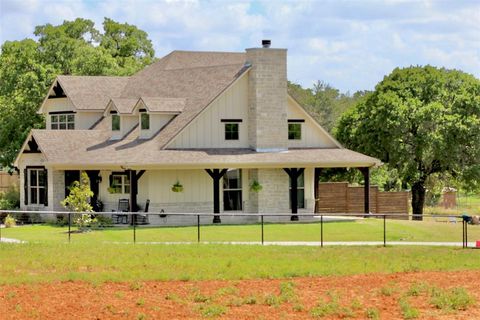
<point>177,187</point>
<point>256,186</point>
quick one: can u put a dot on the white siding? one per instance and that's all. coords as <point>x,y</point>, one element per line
<point>157,122</point>
<point>127,122</point>
<point>207,131</point>
<point>312,135</point>
<point>83,120</point>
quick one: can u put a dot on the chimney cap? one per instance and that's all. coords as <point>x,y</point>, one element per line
<point>266,43</point>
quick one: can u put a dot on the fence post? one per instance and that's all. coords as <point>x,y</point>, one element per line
<point>262,227</point>
<point>134,216</point>
<point>321,230</point>
<point>198,228</point>
<point>384,230</point>
<point>466,234</point>
<point>69,226</point>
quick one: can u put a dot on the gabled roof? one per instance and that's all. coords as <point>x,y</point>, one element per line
<point>124,105</point>
<point>164,105</point>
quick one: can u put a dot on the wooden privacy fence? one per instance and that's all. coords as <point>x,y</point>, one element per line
<point>339,197</point>
<point>6,180</point>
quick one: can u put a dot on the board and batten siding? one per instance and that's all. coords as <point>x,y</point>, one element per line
<point>312,135</point>
<point>83,120</point>
<point>207,130</point>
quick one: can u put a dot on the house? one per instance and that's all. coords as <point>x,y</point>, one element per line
<point>216,122</point>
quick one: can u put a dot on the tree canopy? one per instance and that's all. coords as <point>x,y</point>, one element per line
<point>28,67</point>
<point>420,121</point>
<point>324,102</point>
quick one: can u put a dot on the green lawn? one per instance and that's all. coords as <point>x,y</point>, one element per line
<point>362,230</point>
<point>35,262</point>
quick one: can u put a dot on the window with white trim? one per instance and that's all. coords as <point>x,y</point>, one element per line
<point>62,121</point>
<point>37,181</point>
<point>144,121</point>
<point>120,183</point>
<point>232,190</point>
<point>300,191</point>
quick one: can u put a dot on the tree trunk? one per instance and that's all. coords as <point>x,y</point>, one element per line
<point>418,200</point>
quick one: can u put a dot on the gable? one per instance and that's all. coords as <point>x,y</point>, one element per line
<point>207,130</point>
<point>313,135</point>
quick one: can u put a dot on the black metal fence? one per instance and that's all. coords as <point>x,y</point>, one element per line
<point>133,218</point>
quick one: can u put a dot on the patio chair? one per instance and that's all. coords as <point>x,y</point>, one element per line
<point>123,206</point>
<point>143,218</point>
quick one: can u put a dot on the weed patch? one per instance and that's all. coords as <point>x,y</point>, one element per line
<point>451,300</point>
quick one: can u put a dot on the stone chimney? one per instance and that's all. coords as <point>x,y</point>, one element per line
<point>267,98</point>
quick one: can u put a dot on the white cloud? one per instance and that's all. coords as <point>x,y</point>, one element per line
<point>350,44</point>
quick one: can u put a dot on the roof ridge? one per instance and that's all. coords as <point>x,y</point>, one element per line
<point>202,67</point>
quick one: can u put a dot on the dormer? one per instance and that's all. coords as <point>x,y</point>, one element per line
<point>121,119</point>
<point>154,113</point>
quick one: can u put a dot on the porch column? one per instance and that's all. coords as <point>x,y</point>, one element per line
<point>216,175</point>
<point>316,191</point>
<point>294,173</point>
<point>133,190</point>
<point>366,178</point>
<point>93,177</point>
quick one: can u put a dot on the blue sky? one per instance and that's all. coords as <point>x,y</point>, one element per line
<point>349,44</point>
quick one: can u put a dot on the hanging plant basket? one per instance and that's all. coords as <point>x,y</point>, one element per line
<point>256,186</point>
<point>177,187</point>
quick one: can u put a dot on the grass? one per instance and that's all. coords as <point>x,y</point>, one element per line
<point>362,230</point>
<point>46,262</point>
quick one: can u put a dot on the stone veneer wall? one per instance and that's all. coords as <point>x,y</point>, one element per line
<point>273,198</point>
<point>267,99</point>
<point>57,189</point>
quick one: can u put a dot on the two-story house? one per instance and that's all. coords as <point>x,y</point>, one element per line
<point>215,122</point>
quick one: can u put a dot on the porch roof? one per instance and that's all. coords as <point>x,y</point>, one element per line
<point>92,149</point>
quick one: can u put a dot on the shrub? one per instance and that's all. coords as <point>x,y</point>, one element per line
<point>10,199</point>
<point>9,221</point>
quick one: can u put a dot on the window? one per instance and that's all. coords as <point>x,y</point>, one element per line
<point>231,131</point>
<point>300,192</point>
<point>232,190</point>
<point>294,131</point>
<point>119,183</point>
<point>115,122</point>
<point>62,121</point>
<point>37,181</point>
<point>144,121</point>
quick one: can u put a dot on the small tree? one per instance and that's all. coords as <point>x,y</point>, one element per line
<point>79,201</point>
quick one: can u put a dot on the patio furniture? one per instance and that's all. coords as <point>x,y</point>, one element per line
<point>123,206</point>
<point>143,218</point>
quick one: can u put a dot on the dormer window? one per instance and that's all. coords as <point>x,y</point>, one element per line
<point>144,120</point>
<point>62,121</point>
<point>115,122</point>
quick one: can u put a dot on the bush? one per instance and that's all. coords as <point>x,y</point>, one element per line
<point>9,221</point>
<point>102,221</point>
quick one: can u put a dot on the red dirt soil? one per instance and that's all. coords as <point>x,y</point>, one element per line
<point>245,299</point>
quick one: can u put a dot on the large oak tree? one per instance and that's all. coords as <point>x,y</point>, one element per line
<point>420,121</point>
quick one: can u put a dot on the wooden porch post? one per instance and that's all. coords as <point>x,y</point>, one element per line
<point>93,177</point>
<point>216,175</point>
<point>294,173</point>
<point>316,191</point>
<point>366,178</point>
<point>133,190</point>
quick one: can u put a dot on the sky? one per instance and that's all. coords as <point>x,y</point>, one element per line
<point>351,45</point>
